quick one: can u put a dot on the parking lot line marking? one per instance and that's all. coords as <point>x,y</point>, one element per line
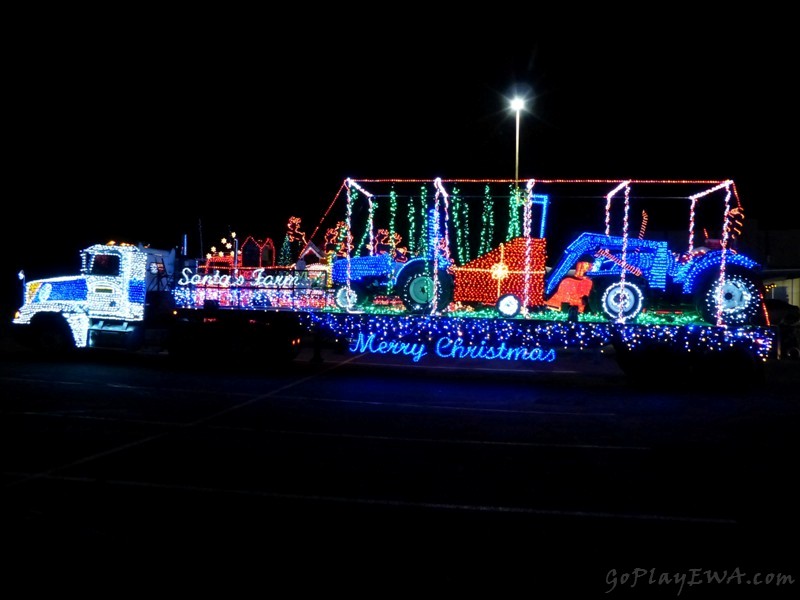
<point>520,371</point>
<point>457,441</point>
<point>48,381</point>
<point>65,414</point>
<point>523,510</point>
<point>86,459</point>
<point>454,408</point>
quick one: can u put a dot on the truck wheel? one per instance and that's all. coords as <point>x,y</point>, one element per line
<point>622,300</point>
<point>415,284</point>
<point>509,305</point>
<point>739,296</point>
<point>51,335</point>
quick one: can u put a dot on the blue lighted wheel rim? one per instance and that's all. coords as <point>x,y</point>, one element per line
<point>622,300</point>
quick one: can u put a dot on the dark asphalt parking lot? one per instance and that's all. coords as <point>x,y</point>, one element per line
<point>369,474</point>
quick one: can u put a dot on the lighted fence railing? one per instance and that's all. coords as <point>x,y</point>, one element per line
<point>254,288</point>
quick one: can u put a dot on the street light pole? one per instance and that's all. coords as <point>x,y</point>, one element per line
<point>21,276</point>
<point>517,104</point>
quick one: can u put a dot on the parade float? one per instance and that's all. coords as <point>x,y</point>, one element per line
<point>464,269</point>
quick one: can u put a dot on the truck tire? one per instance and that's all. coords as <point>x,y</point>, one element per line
<point>415,286</point>
<point>616,298</point>
<point>51,335</point>
<point>740,296</point>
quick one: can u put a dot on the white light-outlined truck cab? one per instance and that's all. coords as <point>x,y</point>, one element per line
<point>106,301</point>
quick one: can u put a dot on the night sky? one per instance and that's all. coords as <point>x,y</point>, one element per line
<point>144,128</point>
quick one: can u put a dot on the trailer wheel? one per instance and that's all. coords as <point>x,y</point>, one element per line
<point>509,305</point>
<point>415,284</point>
<point>739,298</point>
<point>622,300</point>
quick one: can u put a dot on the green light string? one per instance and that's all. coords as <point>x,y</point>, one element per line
<point>285,257</point>
<point>547,316</point>
<point>423,227</point>
<point>392,229</point>
<point>343,240</point>
<point>366,239</point>
<point>412,242</point>
<point>461,226</point>
<point>487,222</point>
<point>514,229</point>
<point>392,218</point>
<point>456,225</point>
<point>466,255</point>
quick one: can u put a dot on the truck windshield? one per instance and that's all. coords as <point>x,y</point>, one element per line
<point>104,264</point>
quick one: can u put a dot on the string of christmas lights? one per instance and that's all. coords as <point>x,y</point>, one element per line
<point>487,222</point>
<point>439,198</point>
<point>528,244</point>
<point>422,246</point>
<point>445,204</point>
<point>392,220</point>
<point>723,256</point>
<point>349,229</point>
<point>461,226</point>
<point>412,239</point>
<point>623,305</point>
<point>513,213</point>
<point>510,337</point>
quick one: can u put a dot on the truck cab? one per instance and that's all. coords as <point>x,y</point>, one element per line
<point>106,301</point>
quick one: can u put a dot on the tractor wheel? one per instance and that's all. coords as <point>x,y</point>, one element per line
<point>348,299</point>
<point>509,305</point>
<point>415,284</point>
<point>620,300</point>
<point>738,299</point>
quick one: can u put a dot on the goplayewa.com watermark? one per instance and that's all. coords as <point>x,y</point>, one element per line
<point>693,578</point>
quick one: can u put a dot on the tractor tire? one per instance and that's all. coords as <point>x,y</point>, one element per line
<point>348,299</point>
<point>739,300</point>
<point>509,305</point>
<point>415,286</point>
<point>618,301</point>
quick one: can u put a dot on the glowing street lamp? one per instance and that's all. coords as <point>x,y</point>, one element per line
<point>517,104</point>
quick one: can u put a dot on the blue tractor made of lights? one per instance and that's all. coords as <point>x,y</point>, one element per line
<point>358,279</point>
<point>628,275</point>
<point>656,277</point>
